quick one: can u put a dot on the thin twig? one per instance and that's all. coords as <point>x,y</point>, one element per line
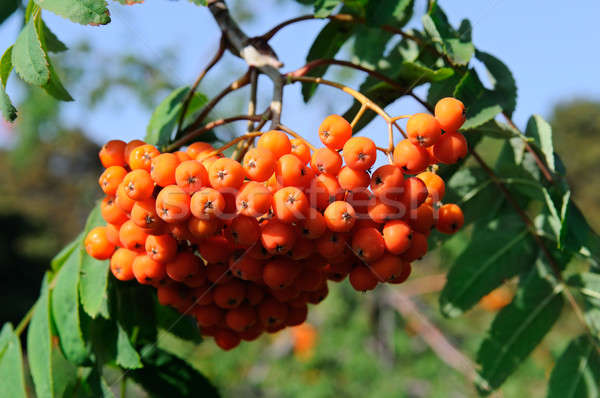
<point>239,83</point>
<point>245,145</point>
<point>252,101</point>
<point>190,94</point>
<point>228,145</point>
<point>358,115</point>
<point>295,135</point>
<point>277,101</point>
<point>24,322</point>
<point>433,336</point>
<point>207,127</point>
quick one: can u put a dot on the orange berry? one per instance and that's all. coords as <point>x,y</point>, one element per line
<point>285,294</point>
<point>397,236</point>
<point>323,190</point>
<point>161,248</point>
<point>247,268</point>
<point>218,273</point>
<point>138,185</point>
<point>272,312</point>
<point>113,154</point>
<point>337,272</point>
<point>185,265</point>
<point>387,267</point>
<point>352,179</point>
<point>360,200</point>
<point>191,176</point>
<point>259,164</point>
<point>198,148</point>
<point>387,181</point>
<point>275,141</point>
<point>450,218</point>
<point>334,131</point>
<point>226,174</point>
<point>143,214</point>
<point>131,145</point>
<point>98,245</point>
<point>362,279</point>
<point>326,161</point>
<point>368,244</point>
<point>122,200</point>
<point>314,224</point>
<point>436,188</point>
<point>404,274</point>
<point>340,216</point>
<point>417,249</point>
<point>382,210</point>
<point>277,237</point>
<point>229,295</point>
<point>111,178</point>
<point>310,278</point>
<point>148,271</point>
<point>280,273</point>
<point>496,299</point>
<point>451,148</point>
<point>412,159</point>
<point>303,248</point>
<point>450,113</point>
<point>243,231</point>
<point>121,264</point>
<point>169,294</point>
<point>252,333</point>
<point>415,193</point>
<point>173,204</point>
<point>360,153</point>
<point>296,315</point>
<point>132,237</point>
<point>208,161</point>
<point>207,203</point>
<point>141,157</point>
<point>332,244</point>
<point>182,156</point>
<point>112,233</point>
<point>253,199</point>
<point>215,249</point>
<point>421,219</point>
<point>112,213</point>
<point>241,318</point>
<point>290,171</point>
<point>319,295</point>
<point>162,169</point>
<point>202,293</point>
<point>203,228</point>
<point>208,315</point>
<point>423,129</point>
<point>301,149</point>
<point>254,293</point>
<point>179,231</point>
<point>290,204</point>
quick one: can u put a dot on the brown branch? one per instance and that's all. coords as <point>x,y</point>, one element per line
<point>190,94</point>
<point>432,335</point>
<point>252,101</point>
<point>207,127</point>
<point>239,83</point>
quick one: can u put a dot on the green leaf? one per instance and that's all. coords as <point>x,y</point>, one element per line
<point>9,112</point>
<point>498,250</point>
<point>541,132</point>
<point>65,309</point>
<point>94,274</point>
<point>11,364</point>
<point>6,66</point>
<point>519,327</point>
<point>482,105</point>
<point>369,46</point>
<point>326,45</point>
<point>456,45</point>
<point>389,12</point>
<point>495,129</point>
<point>99,388</point>
<point>164,375</point>
<point>127,356</point>
<point>167,113</point>
<point>472,189</point>
<point>62,256</point>
<point>323,8</point>
<point>64,373</point>
<point>502,79</point>
<point>29,58</point>
<point>172,321</point>
<point>132,2</point>
<point>588,285</point>
<point>577,235</point>
<point>55,88</point>
<point>576,371</point>
<point>52,43</point>
<point>39,344</point>
<point>85,12</point>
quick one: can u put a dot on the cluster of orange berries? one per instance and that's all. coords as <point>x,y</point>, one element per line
<point>244,247</point>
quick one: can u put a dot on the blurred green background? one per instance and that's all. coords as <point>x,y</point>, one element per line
<point>356,344</point>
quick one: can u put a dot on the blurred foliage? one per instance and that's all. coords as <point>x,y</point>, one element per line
<point>576,126</point>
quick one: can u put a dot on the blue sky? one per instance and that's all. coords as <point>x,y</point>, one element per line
<point>549,46</point>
